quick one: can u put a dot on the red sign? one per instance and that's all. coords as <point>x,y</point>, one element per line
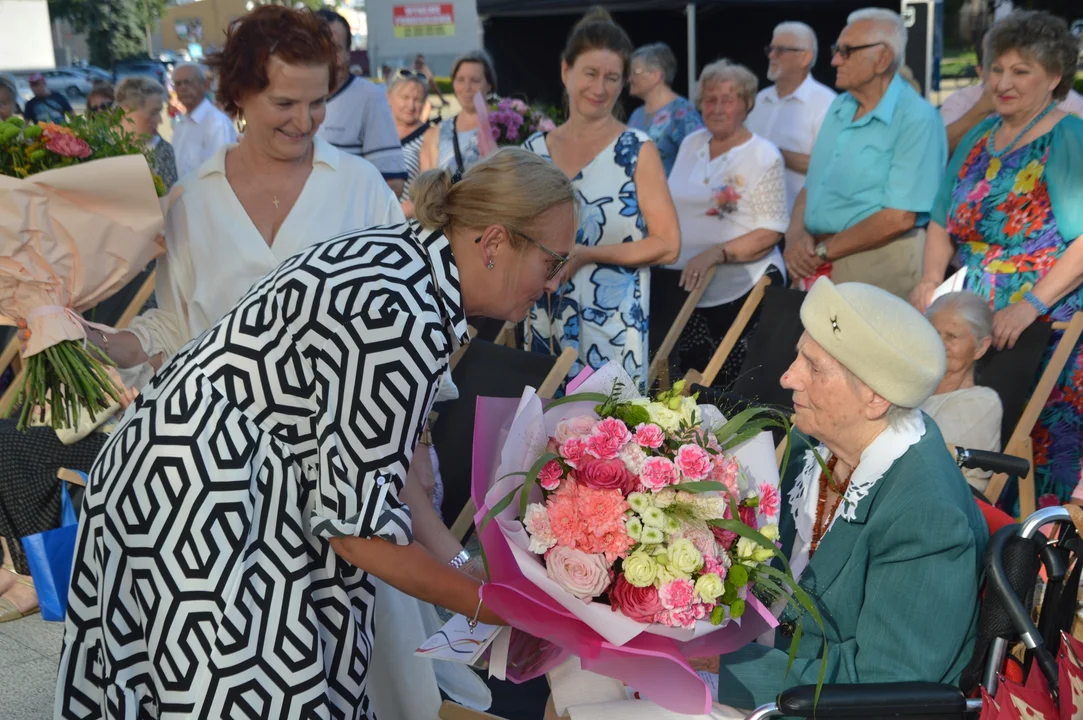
<point>424,20</point>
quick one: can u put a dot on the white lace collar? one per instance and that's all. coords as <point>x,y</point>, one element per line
<point>877,458</point>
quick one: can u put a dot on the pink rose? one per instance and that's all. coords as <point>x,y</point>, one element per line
<point>639,604</point>
<point>650,435</point>
<point>725,538</point>
<point>607,438</point>
<point>606,475</point>
<point>694,462</point>
<point>68,145</point>
<point>658,473</point>
<point>677,595</point>
<point>769,500</point>
<point>550,475</point>
<point>573,427</point>
<point>574,450</point>
<point>748,516</point>
<point>584,576</point>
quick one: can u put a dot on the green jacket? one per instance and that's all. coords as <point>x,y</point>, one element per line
<point>897,586</point>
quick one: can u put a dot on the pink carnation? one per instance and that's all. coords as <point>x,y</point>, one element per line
<point>607,438</point>
<point>658,473</point>
<point>724,470</point>
<point>712,564</point>
<point>650,436</point>
<point>770,500</point>
<point>574,427</point>
<point>550,475</point>
<point>589,520</point>
<point>694,462</point>
<point>678,594</point>
<point>68,145</point>
<point>574,450</point>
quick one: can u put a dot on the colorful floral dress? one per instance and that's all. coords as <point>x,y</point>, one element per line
<point>668,127</point>
<point>1002,221</point>
<point>602,310</point>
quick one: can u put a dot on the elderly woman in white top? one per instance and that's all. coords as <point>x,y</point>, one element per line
<point>728,185</point>
<point>968,415</point>
<point>252,206</point>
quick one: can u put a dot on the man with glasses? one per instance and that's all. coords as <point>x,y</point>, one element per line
<point>874,170</point>
<point>203,128</point>
<point>359,120</point>
<point>790,112</point>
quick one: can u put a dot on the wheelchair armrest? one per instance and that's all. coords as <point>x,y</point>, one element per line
<point>873,700</point>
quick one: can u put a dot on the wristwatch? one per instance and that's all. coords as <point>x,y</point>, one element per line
<point>821,251</point>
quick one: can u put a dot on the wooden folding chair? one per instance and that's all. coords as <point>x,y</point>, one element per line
<point>10,355</point>
<point>729,341</point>
<point>1020,443</point>
<point>659,367</point>
<point>546,389</point>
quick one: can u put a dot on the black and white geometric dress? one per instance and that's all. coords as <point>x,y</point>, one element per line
<point>203,584</point>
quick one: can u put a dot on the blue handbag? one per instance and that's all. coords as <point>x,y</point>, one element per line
<point>50,556</point>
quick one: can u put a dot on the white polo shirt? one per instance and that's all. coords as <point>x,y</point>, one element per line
<point>359,122</point>
<point>791,123</point>
<point>199,135</point>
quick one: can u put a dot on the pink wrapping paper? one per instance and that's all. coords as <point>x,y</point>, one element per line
<point>72,237</point>
<point>654,665</point>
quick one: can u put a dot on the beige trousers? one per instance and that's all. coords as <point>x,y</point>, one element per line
<point>896,267</point>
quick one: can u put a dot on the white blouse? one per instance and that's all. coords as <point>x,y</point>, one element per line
<point>753,171</point>
<point>214,253</point>
<point>969,418</point>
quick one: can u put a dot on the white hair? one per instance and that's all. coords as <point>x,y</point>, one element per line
<point>200,70</point>
<point>890,28</point>
<point>802,31</point>
<point>969,307</point>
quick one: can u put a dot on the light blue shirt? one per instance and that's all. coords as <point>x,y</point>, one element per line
<point>893,157</point>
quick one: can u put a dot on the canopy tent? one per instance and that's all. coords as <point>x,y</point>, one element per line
<point>525,37</point>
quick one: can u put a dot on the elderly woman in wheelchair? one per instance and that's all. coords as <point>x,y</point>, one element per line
<point>889,539</point>
<point>969,415</point>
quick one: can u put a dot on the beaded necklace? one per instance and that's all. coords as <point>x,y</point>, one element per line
<point>823,520</point>
<point>1000,123</point>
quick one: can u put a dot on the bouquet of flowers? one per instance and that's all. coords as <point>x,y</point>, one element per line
<point>80,217</point>
<point>632,532</point>
<point>512,121</point>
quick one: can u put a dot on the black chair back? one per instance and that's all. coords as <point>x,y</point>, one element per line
<point>1014,373</point>
<point>487,370</point>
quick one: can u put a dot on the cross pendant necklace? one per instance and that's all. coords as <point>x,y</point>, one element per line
<point>275,201</point>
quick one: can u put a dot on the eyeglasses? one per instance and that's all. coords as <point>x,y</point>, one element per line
<point>845,51</point>
<point>562,260</point>
<point>99,107</point>
<point>772,49</point>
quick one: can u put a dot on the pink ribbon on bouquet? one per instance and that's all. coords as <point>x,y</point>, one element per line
<point>486,143</point>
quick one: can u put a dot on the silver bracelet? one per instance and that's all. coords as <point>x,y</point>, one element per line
<point>459,560</point>
<point>472,624</point>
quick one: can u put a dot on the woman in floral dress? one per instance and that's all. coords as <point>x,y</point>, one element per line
<point>1010,204</point>
<point>626,217</point>
<point>664,115</point>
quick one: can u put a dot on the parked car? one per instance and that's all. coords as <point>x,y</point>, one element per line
<point>149,68</point>
<point>95,73</point>
<point>66,81</point>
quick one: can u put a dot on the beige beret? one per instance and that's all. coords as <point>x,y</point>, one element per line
<point>879,337</point>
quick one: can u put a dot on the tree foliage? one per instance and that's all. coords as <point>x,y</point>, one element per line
<point>113,27</point>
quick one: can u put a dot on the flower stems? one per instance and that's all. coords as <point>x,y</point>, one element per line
<point>68,379</point>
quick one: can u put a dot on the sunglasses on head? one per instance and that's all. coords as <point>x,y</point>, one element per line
<point>404,73</point>
<point>562,260</point>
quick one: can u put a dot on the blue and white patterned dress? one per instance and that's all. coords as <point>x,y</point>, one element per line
<point>602,310</point>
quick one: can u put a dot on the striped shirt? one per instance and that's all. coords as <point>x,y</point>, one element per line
<point>411,154</point>
<point>359,122</point>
